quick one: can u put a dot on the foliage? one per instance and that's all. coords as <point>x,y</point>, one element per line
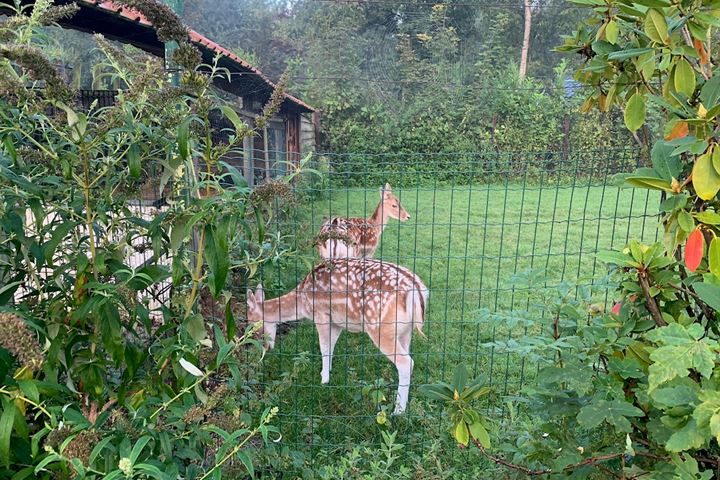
<point>110,366</point>
<point>633,392</point>
<point>467,423</point>
<point>403,77</point>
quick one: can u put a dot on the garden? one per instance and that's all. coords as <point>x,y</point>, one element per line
<point>563,294</point>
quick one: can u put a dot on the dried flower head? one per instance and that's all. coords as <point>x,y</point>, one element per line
<point>55,13</point>
<point>195,414</point>
<point>57,436</point>
<point>273,105</point>
<point>271,190</point>
<point>16,337</point>
<point>38,67</point>
<point>321,238</point>
<point>9,29</point>
<point>167,24</point>
<point>187,56</point>
<point>82,445</point>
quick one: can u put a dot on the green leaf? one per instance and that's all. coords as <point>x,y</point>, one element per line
<point>687,438</point>
<point>714,256</point>
<point>461,433</point>
<point>230,324</point>
<point>613,412</point>
<point>29,389</point>
<point>245,459</point>
<point>686,222</point>
<point>710,93</point>
<point>709,294</point>
<point>460,377</point>
<point>656,27</point>
<point>651,183</point>
<point>240,126</point>
<point>684,77</point>
<point>151,470</point>
<point>677,396</point>
<point>705,179</point>
<point>666,165</point>
<point>133,158</point>
<point>616,258</point>
<point>97,449</point>
<point>611,31</point>
<point>21,182</point>
<point>681,353</point>
<point>195,327</point>
<point>138,448</point>
<point>653,3</point>
<point>629,53</point>
<point>7,419</point>
<point>57,236</point>
<point>218,258</point>
<point>635,112</point>
<point>436,392</point>
<point>707,217</point>
<point>183,140</point>
<point>479,433</point>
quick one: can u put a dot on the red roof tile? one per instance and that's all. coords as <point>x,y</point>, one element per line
<point>196,38</point>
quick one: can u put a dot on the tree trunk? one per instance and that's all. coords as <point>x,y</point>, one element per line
<point>526,40</point>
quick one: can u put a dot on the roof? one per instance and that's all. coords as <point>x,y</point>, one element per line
<point>99,16</point>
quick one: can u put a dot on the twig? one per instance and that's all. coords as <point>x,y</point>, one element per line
<point>591,461</point>
<point>651,303</point>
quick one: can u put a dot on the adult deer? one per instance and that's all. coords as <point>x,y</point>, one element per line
<point>382,299</point>
<point>358,237</point>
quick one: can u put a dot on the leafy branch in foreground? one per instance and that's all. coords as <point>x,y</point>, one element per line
<point>109,364</point>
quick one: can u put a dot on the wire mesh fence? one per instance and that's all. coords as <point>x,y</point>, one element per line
<point>476,222</point>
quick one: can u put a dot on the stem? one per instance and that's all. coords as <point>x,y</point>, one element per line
<point>182,392</point>
<point>232,453</point>
<point>88,211</point>
<point>26,400</point>
<point>649,300</point>
<point>196,275</point>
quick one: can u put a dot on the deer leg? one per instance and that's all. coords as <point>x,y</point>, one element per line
<point>328,333</point>
<point>400,356</point>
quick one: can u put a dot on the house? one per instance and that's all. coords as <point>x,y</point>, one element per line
<point>288,134</point>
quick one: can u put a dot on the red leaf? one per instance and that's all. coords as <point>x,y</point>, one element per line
<point>616,308</point>
<point>702,53</point>
<point>680,130</point>
<point>694,250</point>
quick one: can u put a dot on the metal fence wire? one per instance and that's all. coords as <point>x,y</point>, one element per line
<point>476,221</point>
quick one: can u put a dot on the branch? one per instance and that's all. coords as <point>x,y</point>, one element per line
<point>530,472</point>
<point>651,303</point>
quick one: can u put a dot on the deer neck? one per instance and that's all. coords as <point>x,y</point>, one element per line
<point>379,219</point>
<point>283,309</point>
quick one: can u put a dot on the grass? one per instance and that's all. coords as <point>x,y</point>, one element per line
<point>466,244</point>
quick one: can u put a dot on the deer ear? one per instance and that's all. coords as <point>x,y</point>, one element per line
<point>250,297</point>
<point>260,293</point>
<point>387,187</point>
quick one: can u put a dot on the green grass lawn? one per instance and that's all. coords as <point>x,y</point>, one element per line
<point>466,244</point>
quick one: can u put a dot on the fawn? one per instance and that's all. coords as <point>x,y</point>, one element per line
<point>382,299</point>
<point>358,237</point>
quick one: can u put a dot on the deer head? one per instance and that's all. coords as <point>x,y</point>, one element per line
<point>391,207</point>
<point>257,314</point>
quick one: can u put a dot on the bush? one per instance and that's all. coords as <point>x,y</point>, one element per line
<point>109,367</point>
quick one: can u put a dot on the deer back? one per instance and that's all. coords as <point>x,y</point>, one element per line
<point>364,292</point>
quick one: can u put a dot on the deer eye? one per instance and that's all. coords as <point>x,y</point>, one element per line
<point>394,206</point>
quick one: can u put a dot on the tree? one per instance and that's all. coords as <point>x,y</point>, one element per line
<point>526,40</point>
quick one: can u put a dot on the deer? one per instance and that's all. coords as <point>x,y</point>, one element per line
<point>358,237</point>
<point>382,299</point>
